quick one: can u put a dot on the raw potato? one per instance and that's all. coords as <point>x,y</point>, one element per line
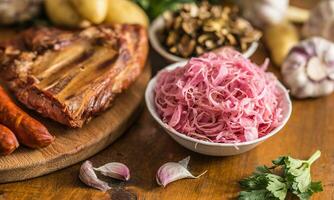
<point>92,10</point>
<point>125,11</point>
<point>280,38</point>
<point>61,12</point>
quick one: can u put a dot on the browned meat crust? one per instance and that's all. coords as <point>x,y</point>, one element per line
<point>72,76</point>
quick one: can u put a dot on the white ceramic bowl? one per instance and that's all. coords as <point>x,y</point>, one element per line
<point>158,24</point>
<point>210,148</point>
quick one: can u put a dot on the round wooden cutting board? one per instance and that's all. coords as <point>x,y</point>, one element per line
<point>74,145</point>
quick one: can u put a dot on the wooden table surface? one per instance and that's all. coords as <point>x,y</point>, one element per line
<point>145,147</point>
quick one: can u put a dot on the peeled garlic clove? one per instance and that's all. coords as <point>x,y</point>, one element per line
<point>115,170</point>
<point>172,171</point>
<point>88,176</point>
<point>307,70</point>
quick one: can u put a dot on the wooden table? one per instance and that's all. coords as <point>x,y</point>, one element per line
<point>145,147</point>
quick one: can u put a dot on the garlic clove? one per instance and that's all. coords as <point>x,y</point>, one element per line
<point>184,162</point>
<point>331,76</point>
<point>88,176</point>
<point>316,69</point>
<point>308,90</point>
<point>296,78</point>
<point>115,170</point>
<point>325,87</point>
<point>173,171</point>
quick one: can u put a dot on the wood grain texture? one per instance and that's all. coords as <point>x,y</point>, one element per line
<point>74,145</point>
<point>145,147</point>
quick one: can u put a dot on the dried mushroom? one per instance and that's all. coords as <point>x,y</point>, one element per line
<point>198,28</point>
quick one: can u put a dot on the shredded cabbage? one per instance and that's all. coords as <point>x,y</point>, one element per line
<point>219,97</point>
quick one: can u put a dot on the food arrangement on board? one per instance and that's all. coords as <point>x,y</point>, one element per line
<point>71,76</point>
<point>213,100</point>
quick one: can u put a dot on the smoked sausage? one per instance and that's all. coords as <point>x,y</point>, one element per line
<point>8,141</point>
<point>28,130</point>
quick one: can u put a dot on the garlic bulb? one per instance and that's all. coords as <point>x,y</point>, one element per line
<point>264,12</point>
<point>321,21</point>
<point>309,68</point>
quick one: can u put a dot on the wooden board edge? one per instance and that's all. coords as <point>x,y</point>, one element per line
<point>58,163</point>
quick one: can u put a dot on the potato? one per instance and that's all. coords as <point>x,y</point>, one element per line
<point>61,12</point>
<point>280,38</point>
<point>92,10</point>
<point>125,11</point>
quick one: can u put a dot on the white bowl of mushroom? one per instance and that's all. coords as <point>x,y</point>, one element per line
<point>194,39</point>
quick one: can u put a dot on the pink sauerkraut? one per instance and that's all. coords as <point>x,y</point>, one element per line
<point>222,98</point>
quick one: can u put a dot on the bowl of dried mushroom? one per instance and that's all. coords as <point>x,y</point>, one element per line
<point>195,29</point>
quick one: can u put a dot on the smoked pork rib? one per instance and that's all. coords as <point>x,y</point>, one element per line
<point>72,76</point>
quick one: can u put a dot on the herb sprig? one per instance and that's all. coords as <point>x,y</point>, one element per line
<point>154,8</point>
<point>264,184</point>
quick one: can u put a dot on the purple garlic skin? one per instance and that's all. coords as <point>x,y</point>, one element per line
<point>88,176</point>
<point>321,21</point>
<point>308,70</point>
<point>173,171</point>
<point>115,170</point>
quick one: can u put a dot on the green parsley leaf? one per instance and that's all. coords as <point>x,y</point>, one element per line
<point>298,172</point>
<point>262,169</point>
<point>277,186</point>
<point>263,185</point>
<point>313,188</point>
<point>154,8</point>
<point>256,195</point>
